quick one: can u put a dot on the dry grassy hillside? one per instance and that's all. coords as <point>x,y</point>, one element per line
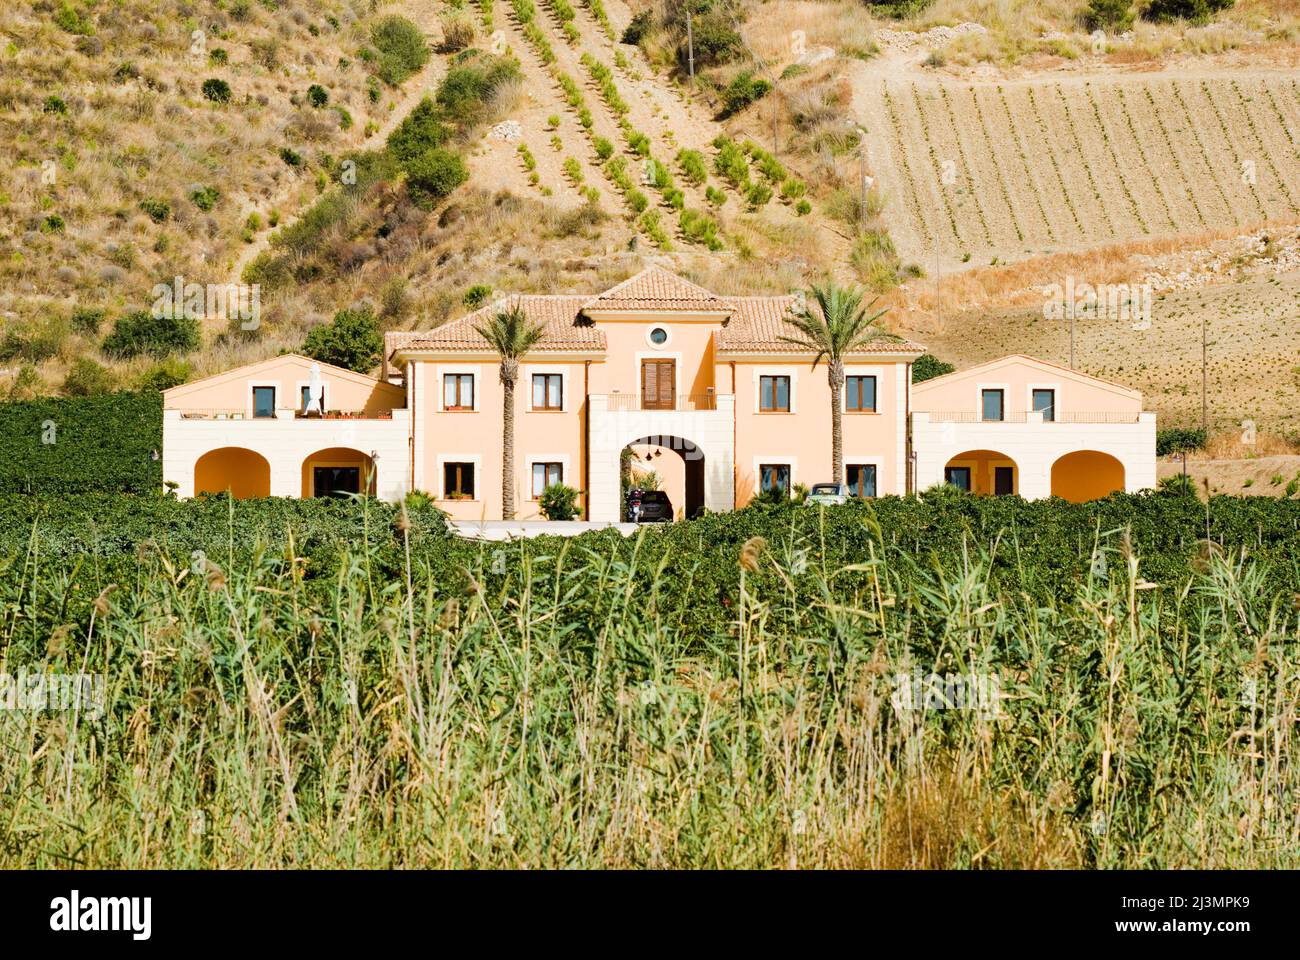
<point>152,139</point>
<point>601,152</point>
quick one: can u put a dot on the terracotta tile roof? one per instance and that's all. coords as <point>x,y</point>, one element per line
<point>755,324</point>
<point>565,328</point>
<point>759,323</point>
<point>654,288</point>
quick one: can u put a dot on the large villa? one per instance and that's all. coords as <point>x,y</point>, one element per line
<point>653,375</point>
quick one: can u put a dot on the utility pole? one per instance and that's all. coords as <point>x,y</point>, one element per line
<point>690,44</point>
<point>938,316</point>
<point>1205,402</point>
<point>862,177</point>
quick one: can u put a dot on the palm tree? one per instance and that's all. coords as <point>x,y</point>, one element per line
<point>838,326</point>
<point>511,334</point>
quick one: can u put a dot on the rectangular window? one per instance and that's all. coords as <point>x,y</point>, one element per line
<point>774,394</point>
<point>860,394</point>
<point>958,477</point>
<point>458,391</point>
<point>774,476</point>
<point>992,405</point>
<point>458,481</point>
<point>1045,401</point>
<point>862,479</point>
<point>264,401</point>
<point>548,391</point>
<point>545,475</point>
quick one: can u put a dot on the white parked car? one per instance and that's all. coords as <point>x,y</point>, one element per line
<point>828,493</point>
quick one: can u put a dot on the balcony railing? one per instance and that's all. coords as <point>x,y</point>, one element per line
<point>285,414</point>
<point>966,416</point>
<point>629,402</point>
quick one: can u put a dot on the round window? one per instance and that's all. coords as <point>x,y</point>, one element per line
<point>658,336</point>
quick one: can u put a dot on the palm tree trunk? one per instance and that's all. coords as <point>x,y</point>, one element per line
<point>508,445</point>
<point>835,374</point>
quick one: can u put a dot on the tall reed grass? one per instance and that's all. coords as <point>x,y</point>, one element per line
<point>579,704</point>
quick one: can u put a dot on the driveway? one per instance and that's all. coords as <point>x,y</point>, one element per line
<point>515,529</point>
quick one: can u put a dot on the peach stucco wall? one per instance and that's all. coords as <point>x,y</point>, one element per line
<point>802,437</point>
<point>475,436</point>
<point>1075,393</point>
<point>690,344</point>
<point>233,391</point>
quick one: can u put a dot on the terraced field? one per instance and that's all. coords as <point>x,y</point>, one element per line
<point>599,124</point>
<point>1253,353</point>
<point>973,172</point>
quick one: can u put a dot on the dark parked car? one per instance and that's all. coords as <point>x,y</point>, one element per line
<point>645,506</point>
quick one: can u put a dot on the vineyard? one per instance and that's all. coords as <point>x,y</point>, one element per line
<point>976,173</point>
<point>600,127</point>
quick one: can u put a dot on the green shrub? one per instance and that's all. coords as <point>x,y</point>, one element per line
<point>205,198</point>
<point>433,176</point>
<point>54,104</point>
<point>142,334</point>
<point>604,149</point>
<point>700,228</point>
<point>476,295</point>
<point>53,223</point>
<point>87,320</point>
<point>34,340</point>
<point>71,20</point>
<point>927,367</point>
<point>715,196</point>
<point>216,90</point>
<point>402,49</point>
<point>165,374</point>
<point>1114,15</point>
<point>87,378</point>
<point>158,210</point>
<point>317,95</point>
<point>558,501</point>
<point>1196,11</point>
<point>465,93</point>
<point>352,340</point>
<point>218,57</point>
<point>716,41</point>
<point>692,164</point>
<point>1179,439</point>
<point>758,194</point>
<point>803,208</point>
<point>638,27</point>
<point>420,131</point>
<point>743,90</point>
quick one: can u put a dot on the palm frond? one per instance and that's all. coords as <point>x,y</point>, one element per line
<point>510,333</point>
<point>839,324</point>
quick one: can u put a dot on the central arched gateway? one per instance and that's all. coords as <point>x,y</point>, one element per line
<point>677,465</point>
<point>698,443</point>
